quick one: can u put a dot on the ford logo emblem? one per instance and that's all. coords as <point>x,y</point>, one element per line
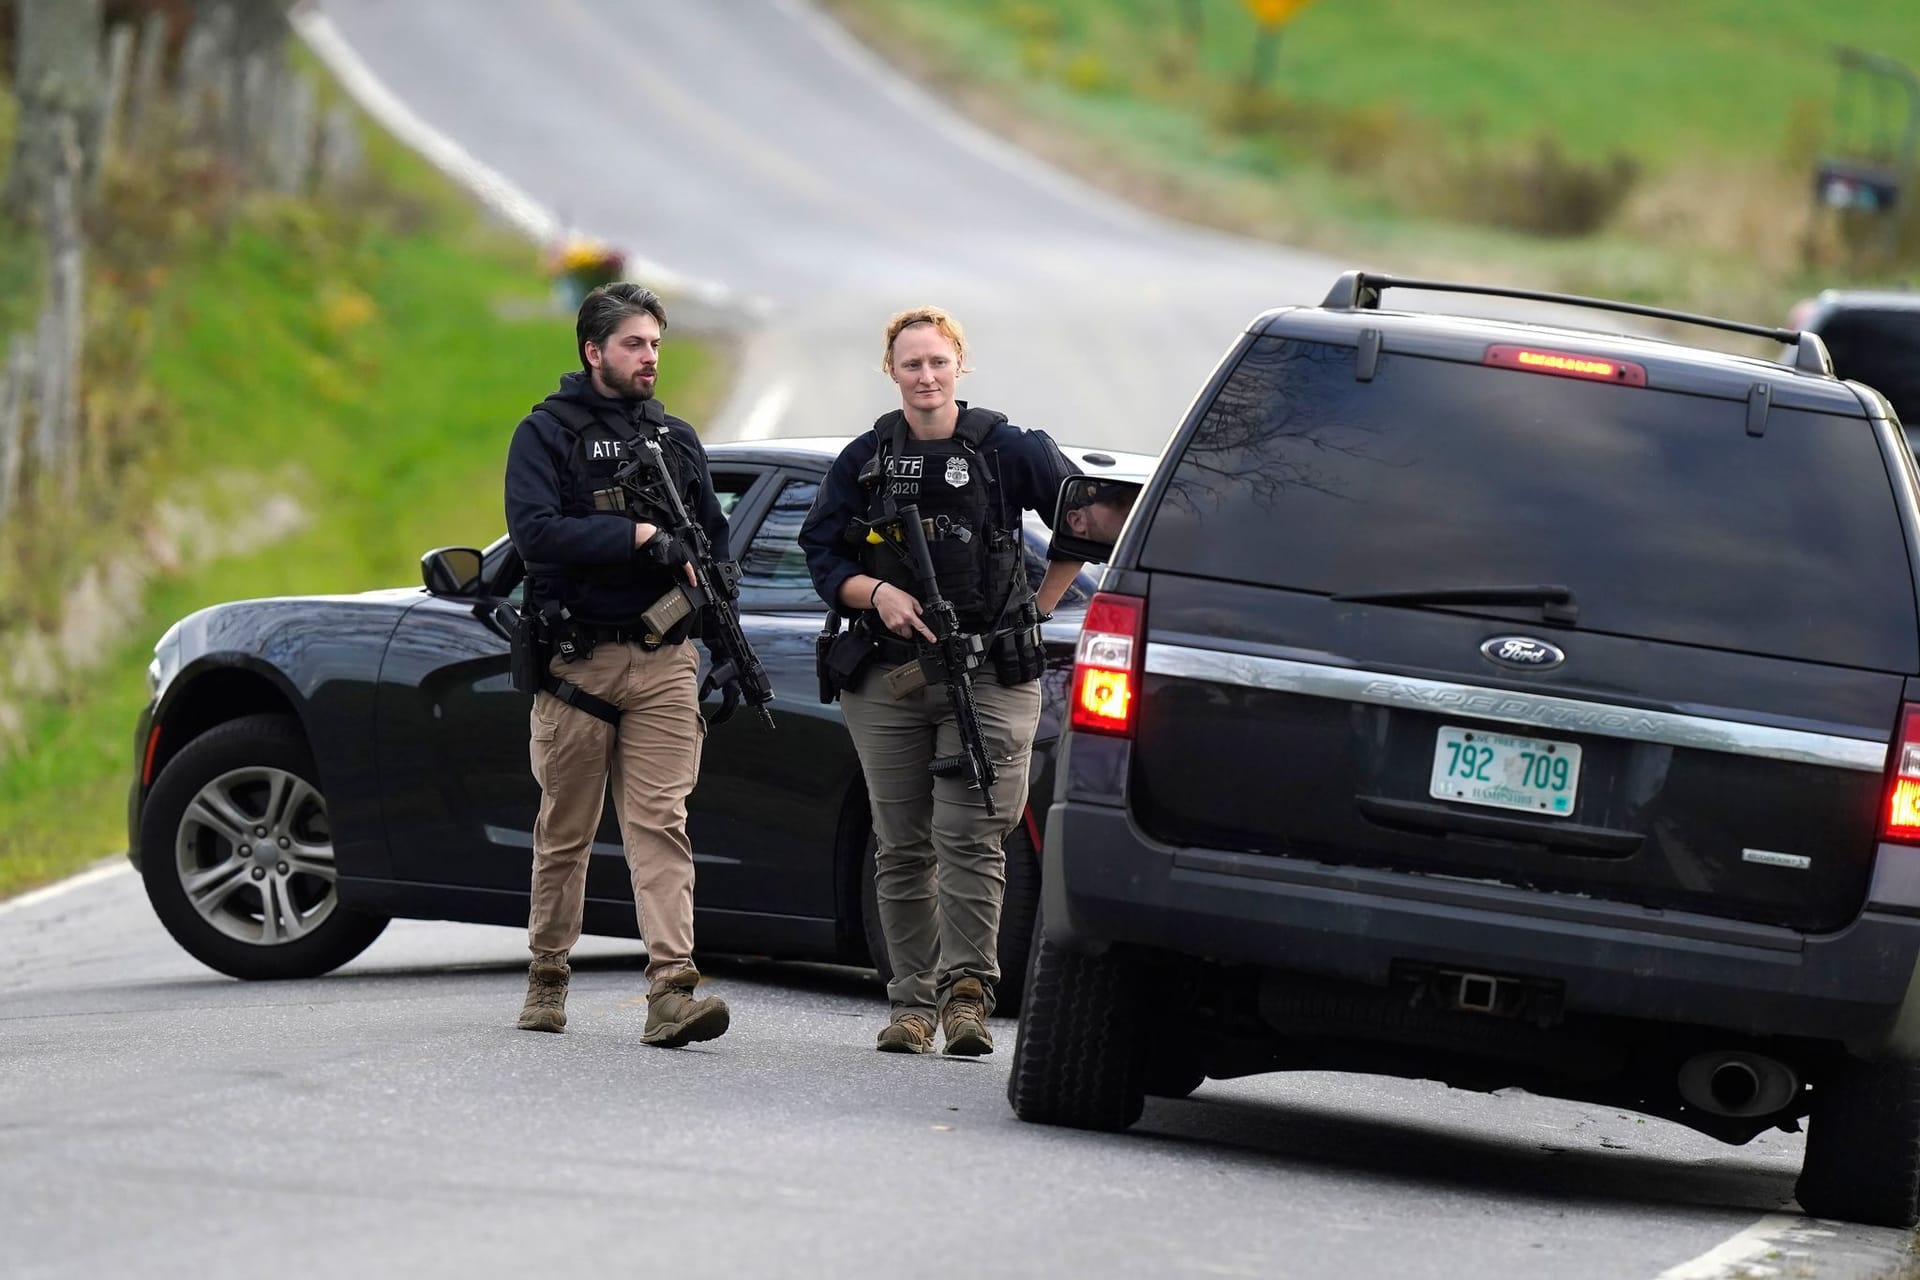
<point>1522,651</point>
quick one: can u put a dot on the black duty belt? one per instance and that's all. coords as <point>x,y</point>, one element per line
<point>622,635</point>
<point>891,651</point>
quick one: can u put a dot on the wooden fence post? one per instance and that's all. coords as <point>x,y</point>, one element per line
<point>144,100</point>
<point>57,444</point>
<point>198,81</point>
<point>13,400</point>
<point>293,144</point>
<point>108,133</point>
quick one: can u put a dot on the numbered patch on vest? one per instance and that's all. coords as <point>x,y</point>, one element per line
<point>905,475</point>
<point>957,474</point>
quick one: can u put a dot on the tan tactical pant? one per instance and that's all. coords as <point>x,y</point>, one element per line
<point>654,759</point>
<point>940,871</point>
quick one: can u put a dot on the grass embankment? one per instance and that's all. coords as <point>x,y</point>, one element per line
<point>333,391</point>
<point>1646,150</point>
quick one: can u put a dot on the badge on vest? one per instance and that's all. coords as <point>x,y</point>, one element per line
<point>957,472</point>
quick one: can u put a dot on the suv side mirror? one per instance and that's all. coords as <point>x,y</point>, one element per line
<point>451,571</point>
<point>1090,515</point>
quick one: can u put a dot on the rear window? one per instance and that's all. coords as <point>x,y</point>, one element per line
<point>1666,519</point>
<point>1881,349</point>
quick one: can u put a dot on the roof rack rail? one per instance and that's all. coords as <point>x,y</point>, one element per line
<point>1360,291</point>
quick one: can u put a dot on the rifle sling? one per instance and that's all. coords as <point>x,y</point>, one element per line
<point>579,699</point>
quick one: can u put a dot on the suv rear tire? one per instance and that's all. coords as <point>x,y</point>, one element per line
<point>1079,1060</point>
<point>274,915</point>
<point>1863,1144</point>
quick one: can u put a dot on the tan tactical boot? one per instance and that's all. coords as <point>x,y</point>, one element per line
<point>965,1020</point>
<point>675,1018</point>
<point>909,1032</point>
<point>546,1006</point>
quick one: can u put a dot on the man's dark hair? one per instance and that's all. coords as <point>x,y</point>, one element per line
<point>610,306</point>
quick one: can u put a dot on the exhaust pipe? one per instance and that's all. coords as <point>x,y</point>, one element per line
<point>1737,1083</point>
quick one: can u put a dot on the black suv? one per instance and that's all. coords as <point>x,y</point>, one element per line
<point>1507,705</point>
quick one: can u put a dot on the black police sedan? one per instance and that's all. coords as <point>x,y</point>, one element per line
<point>310,767</point>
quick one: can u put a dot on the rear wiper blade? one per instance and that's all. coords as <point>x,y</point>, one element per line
<point>1558,601</point>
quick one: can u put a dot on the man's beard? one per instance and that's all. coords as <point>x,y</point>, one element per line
<point>630,388</point>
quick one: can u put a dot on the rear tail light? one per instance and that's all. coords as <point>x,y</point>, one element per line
<point>1106,670</point>
<point>1902,822</point>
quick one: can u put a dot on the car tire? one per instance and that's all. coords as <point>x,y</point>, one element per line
<point>1019,909</point>
<point>1019,913</point>
<point>1862,1161</point>
<point>247,906</point>
<point>1078,1061</point>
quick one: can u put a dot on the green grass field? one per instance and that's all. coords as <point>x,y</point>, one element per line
<point>1662,80</point>
<point>372,374</point>
<point>1384,122</point>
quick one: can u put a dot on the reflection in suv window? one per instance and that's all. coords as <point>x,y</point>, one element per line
<point>1665,518</point>
<point>774,568</point>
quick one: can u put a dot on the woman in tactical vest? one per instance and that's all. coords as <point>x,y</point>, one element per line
<point>963,476</point>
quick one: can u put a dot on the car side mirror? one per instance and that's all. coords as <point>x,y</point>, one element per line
<point>451,571</point>
<point>1091,512</point>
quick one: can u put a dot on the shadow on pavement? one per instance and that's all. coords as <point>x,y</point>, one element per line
<point>1544,1166</point>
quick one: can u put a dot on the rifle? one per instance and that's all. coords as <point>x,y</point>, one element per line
<point>716,582</point>
<point>949,660</point>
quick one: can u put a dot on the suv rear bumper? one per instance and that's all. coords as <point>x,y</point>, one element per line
<point>1106,882</point>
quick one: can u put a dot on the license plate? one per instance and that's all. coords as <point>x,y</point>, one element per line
<point>1502,771</point>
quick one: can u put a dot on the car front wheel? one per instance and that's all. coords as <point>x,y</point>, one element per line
<point>237,856</point>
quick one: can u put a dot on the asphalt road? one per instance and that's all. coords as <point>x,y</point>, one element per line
<point>754,146</point>
<point>156,1119</point>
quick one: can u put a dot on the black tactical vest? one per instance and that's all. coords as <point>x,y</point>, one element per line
<point>602,445</point>
<point>974,542</point>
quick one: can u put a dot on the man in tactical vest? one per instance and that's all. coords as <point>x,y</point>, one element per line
<point>939,868</point>
<point>618,692</point>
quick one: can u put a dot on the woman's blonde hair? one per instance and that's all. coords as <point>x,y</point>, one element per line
<point>940,319</point>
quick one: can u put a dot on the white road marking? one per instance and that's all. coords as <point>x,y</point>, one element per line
<point>493,188</point>
<point>764,417</point>
<point>1741,1251</point>
<point>79,881</point>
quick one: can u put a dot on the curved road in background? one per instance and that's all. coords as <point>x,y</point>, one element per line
<point>755,146</point>
<point>158,1120</point>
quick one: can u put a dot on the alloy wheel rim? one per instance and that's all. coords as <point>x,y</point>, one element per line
<point>254,853</point>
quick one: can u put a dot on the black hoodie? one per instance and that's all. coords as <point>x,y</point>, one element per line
<point>582,557</point>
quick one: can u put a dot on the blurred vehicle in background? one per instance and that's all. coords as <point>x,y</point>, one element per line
<point>1873,336</point>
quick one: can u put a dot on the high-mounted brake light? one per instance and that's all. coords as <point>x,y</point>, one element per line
<point>1567,364</point>
<point>1106,670</point>
<point>1902,821</point>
